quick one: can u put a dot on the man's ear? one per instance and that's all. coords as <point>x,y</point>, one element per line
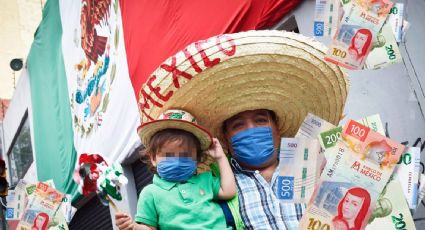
<point>227,145</point>
<point>225,142</point>
<point>276,135</point>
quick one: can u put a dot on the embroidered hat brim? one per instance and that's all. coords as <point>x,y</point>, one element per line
<point>222,76</point>
<point>148,129</point>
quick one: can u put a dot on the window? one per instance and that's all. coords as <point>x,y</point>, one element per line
<point>20,153</point>
<point>288,24</point>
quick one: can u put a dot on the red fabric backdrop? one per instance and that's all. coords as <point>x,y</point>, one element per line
<point>157,29</point>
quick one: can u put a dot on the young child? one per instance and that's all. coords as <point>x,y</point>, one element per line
<point>178,198</point>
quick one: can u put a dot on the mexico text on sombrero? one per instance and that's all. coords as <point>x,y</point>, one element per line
<point>183,66</point>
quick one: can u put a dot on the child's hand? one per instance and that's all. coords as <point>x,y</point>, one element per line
<point>216,151</point>
<point>124,221</point>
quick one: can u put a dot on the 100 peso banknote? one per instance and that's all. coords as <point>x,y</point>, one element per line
<point>42,206</point>
<point>407,169</point>
<point>329,137</point>
<point>359,27</point>
<point>358,168</point>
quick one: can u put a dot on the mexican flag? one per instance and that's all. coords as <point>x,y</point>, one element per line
<point>103,107</point>
<point>83,100</point>
<point>90,58</point>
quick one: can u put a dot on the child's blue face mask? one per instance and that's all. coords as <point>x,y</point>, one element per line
<point>176,169</point>
<point>253,146</point>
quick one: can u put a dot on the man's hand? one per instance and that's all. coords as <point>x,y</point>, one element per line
<point>216,151</point>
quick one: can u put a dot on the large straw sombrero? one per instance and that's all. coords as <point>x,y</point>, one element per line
<point>217,78</point>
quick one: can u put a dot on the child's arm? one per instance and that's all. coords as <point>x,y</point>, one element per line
<point>124,222</point>
<point>227,179</point>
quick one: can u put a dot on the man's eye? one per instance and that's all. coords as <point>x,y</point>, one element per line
<point>261,120</point>
<point>237,125</point>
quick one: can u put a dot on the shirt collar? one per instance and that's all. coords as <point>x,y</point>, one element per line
<point>238,168</point>
<point>167,185</point>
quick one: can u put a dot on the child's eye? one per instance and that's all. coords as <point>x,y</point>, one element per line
<point>184,154</point>
<point>169,154</point>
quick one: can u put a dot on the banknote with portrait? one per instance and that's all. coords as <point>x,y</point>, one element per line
<point>358,168</point>
<point>357,31</point>
<point>41,208</point>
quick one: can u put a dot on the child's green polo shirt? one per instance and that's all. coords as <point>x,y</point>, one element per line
<point>173,205</point>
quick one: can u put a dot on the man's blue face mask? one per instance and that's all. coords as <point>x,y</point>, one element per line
<point>176,169</point>
<point>253,146</point>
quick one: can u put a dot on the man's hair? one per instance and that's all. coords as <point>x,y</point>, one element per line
<point>271,113</point>
<point>171,135</point>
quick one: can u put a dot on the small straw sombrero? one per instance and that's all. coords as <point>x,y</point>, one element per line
<point>175,119</point>
<point>224,75</point>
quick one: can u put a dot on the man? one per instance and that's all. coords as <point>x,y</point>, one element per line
<point>253,140</point>
<point>250,89</point>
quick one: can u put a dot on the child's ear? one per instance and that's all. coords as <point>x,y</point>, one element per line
<point>200,155</point>
<point>153,159</point>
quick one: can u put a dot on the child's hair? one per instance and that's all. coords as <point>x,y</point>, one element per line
<point>170,135</point>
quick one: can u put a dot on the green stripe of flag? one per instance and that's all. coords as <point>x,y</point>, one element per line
<point>53,134</point>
